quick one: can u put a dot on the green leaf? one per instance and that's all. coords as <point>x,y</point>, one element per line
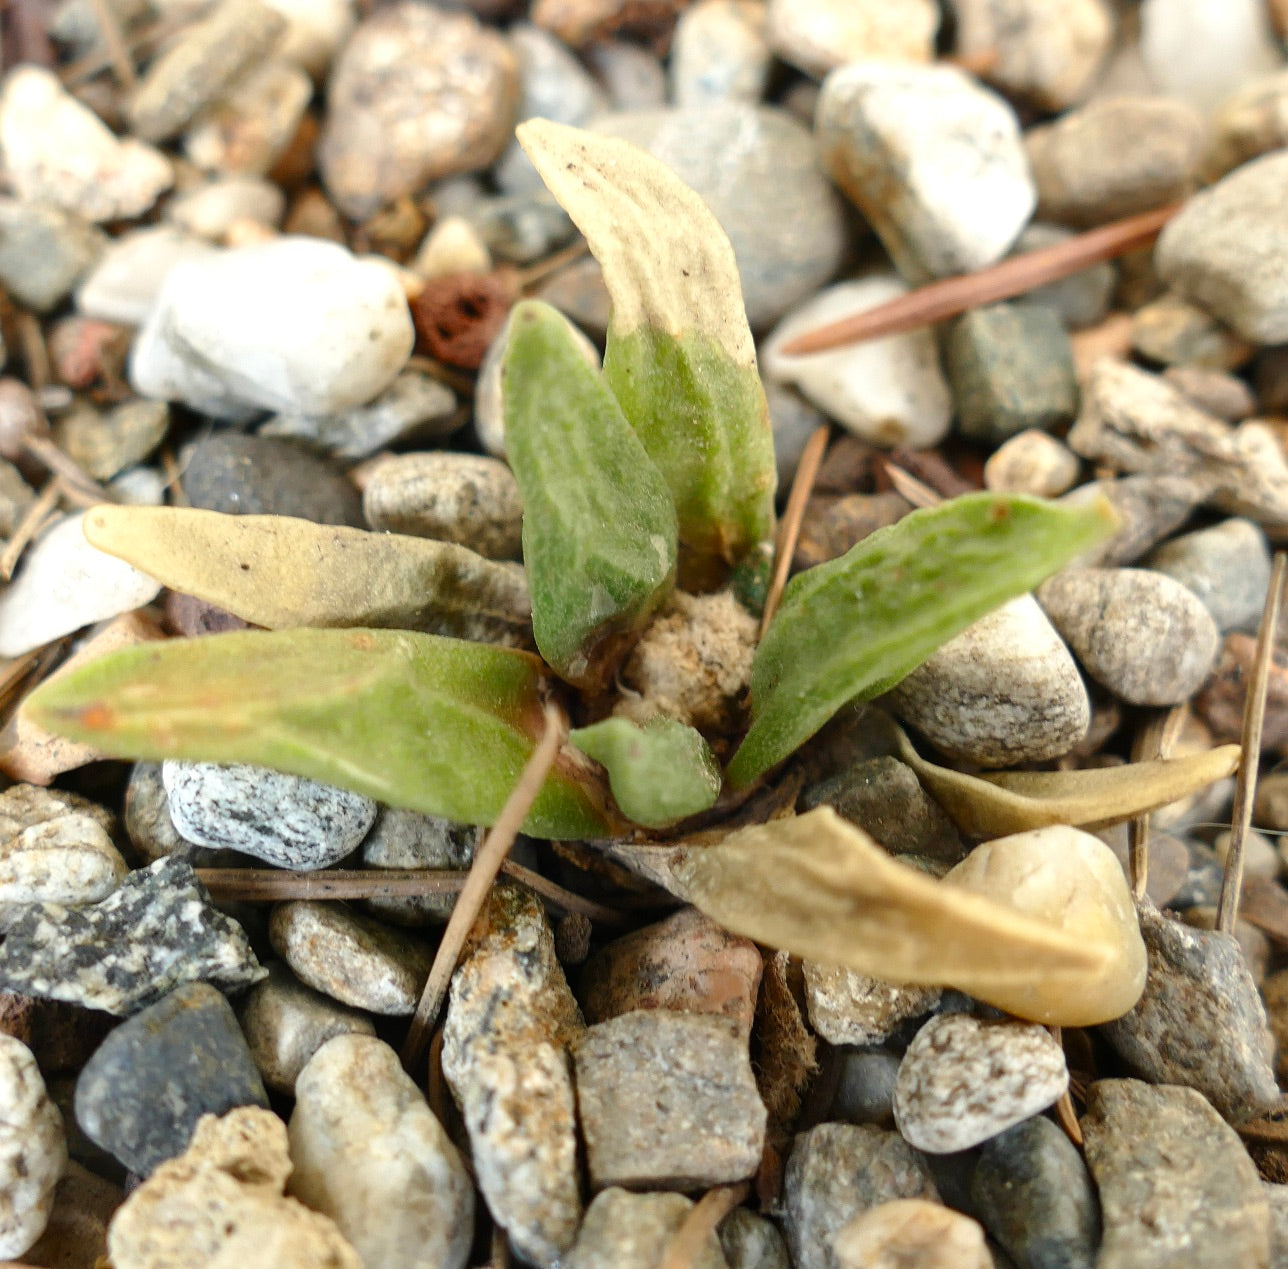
<point>679,355</point>
<point>598,524</point>
<point>413,720</point>
<point>659,773</point>
<point>852,628</point>
<point>278,572</point>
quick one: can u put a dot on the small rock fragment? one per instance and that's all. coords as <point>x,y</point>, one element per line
<point>719,53</point>
<point>846,1007</point>
<point>1005,691</point>
<point>865,1087</point>
<point>686,963</point>
<point>633,1231</point>
<point>1144,636</point>
<point>408,839</point>
<point>1250,122</point>
<point>463,498</point>
<point>835,1173</point>
<point>416,94</point>
<point>33,1152</point>
<point>64,584</point>
<point>124,284</point>
<point>1115,157</point>
<point>962,1081</point>
<point>509,1022</point>
<point>210,210</point>
<point>44,251</point>
<point>105,445</point>
<point>368,1152</point>
<point>933,160</point>
<point>911,1232</point>
<point>818,36</point>
<point>151,830</point>
<point>1082,299</point>
<point>286,1023</point>
<point>68,859</point>
<point>1031,462</point>
<point>221,1203</point>
<point>1176,1184</point>
<point>1218,392</point>
<point>141,1094</point>
<point>752,1242</point>
<point>294,324</point>
<point>668,1100</point>
<point>1200,1021</point>
<point>350,957</point>
<point>58,151</point>
<point>1171,330</point>
<point>1226,566</point>
<point>1227,250</point>
<point>155,931</point>
<point>890,392</point>
<point>285,820</point>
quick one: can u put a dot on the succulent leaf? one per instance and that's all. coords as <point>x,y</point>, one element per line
<point>853,627</point>
<point>679,355</point>
<point>598,525</point>
<point>413,720</point>
<point>659,773</point>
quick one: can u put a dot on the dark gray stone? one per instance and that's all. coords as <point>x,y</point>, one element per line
<point>837,1171</point>
<point>1200,1022</point>
<point>884,797</point>
<point>1011,368</point>
<point>1032,1192</point>
<point>1177,1187</point>
<point>865,1087</point>
<point>257,475</point>
<point>142,1092</point>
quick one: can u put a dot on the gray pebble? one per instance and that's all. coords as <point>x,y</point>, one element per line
<point>413,407</point>
<point>632,1231</point>
<point>1217,391</point>
<point>1081,299</point>
<point>668,1100</point>
<point>1011,368</point>
<point>865,1087</point>
<point>156,931</point>
<point>285,820</point>
<point>579,293</point>
<point>44,252</point>
<point>964,1080</point>
<point>1003,692</point>
<point>1176,1185</point>
<point>793,420</point>
<point>752,1242</point>
<point>884,797</point>
<point>1032,1192</point>
<point>125,282</point>
<point>719,53</point>
<point>1226,566</point>
<point>408,839</point>
<point>468,499</point>
<point>1142,635</point>
<point>521,228</point>
<point>1151,507</point>
<point>1201,1021</point>
<point>754,165</point>
<point>1227,249</point>
<point>252,475</point>
<point>846,1007</point>
<point>1115,156</point>
<point>286,1023</point>
<point>632,76</point>
<point>510,1019</point>
<point>837,1171</point>
<point>142,1092</point>
<point>1175,332</point>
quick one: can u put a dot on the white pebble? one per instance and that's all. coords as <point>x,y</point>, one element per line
<point>33,1152</point>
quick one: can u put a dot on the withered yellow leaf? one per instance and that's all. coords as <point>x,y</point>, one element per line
<point>821,888</point>
<point>1003,802</point>
<point>280,572</point>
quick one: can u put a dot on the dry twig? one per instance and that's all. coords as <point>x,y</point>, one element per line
<point>789,527</point>
<point>685,1247</point>
<point>27,528</point>
<point>114,43</point>
<point>1157,739</point>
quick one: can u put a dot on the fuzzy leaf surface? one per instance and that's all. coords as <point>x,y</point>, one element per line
<point>659,773</point>
<point>278,571</point>
<point>436,725</point>
<point>853,627</point>
<point>598,525</point>
<point>679,355</point>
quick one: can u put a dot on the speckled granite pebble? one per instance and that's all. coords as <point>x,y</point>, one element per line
<point>151,830</point>
<point>369,1153</point>
<point>963,1080</point>
<point>668,1100</point>
<point>350,957</point>
<point>632,1231</point>
<point>837,1171</point>
<point>846,1007</point>
<point>1176,1184</point>
<point>33,1152</point>
<point>285,820</point>
<point>285,1023</point>
<point>154,932</point>
<point>1201,1021</point>
<point>142,1092</point>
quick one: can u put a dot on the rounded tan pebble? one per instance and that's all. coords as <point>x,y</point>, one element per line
<point>1032,462</point>
<point>912,1234</point>
<point>69,859</point>
<point>463,498</point>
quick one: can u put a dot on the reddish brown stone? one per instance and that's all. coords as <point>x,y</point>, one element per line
<point>1220,703</point>
<point>831,526</point>
<point>457,316</point>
